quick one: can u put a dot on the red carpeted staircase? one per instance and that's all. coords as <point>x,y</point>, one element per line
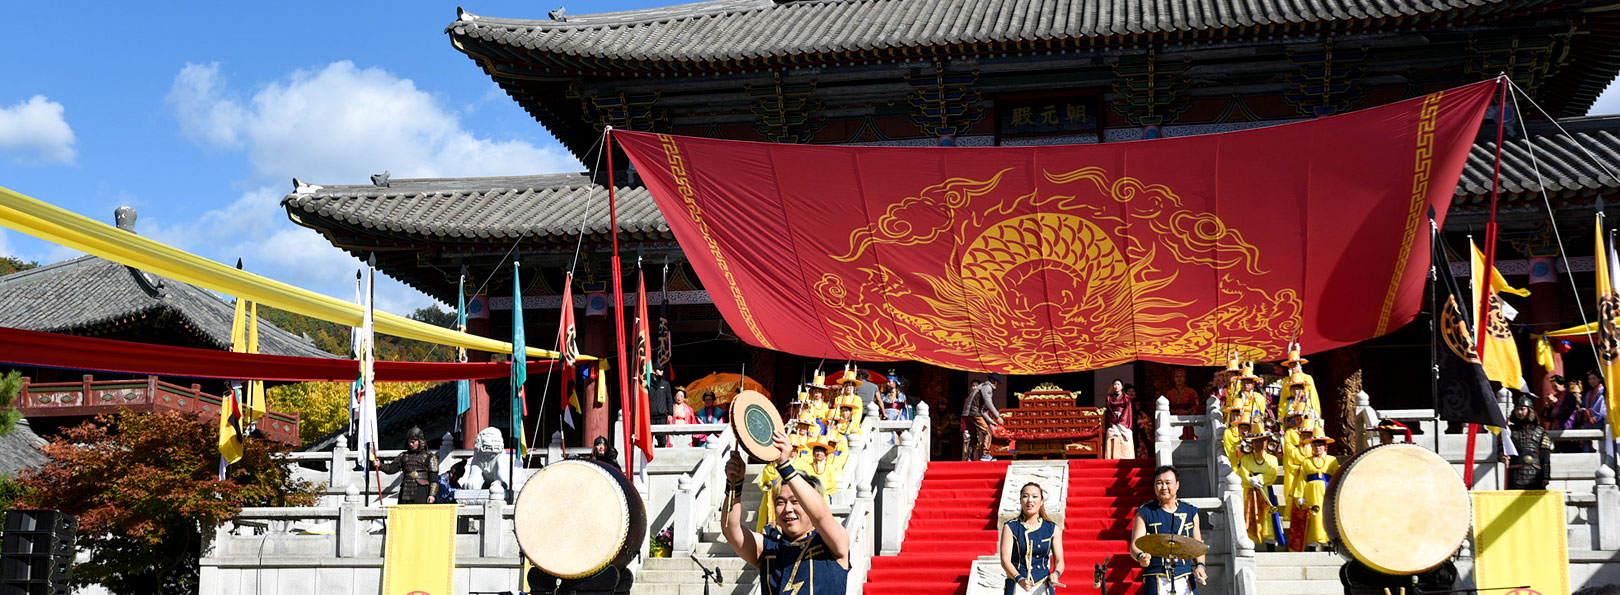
<point>952,524</point>
<point>1097,522</point>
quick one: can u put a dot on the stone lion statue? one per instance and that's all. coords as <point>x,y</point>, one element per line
<point>485,468</point>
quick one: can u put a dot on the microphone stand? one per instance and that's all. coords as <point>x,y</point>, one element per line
<point>708,575</point>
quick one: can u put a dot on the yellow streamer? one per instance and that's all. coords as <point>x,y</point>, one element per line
<point>53,224</point>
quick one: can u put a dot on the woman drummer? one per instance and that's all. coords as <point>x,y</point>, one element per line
<point>1031,546</point>
<point>807,552</point>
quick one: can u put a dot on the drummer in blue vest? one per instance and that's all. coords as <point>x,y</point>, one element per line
<point>1166,514</point>
<point>807,551</point>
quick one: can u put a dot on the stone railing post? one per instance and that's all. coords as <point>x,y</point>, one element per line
<point>1242,551</point>
<point>348,525</point>
<point>339,471</point>
<point>554,451</point>
<point>493,526</point>
<point>1606,520</point>
<point>1163,449</point>
<point>1217,429</point>
<point>891,527</point>
<point>685,534</point>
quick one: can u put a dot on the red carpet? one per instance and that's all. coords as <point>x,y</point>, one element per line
<point>952,524</point>
<point>1097,522</point>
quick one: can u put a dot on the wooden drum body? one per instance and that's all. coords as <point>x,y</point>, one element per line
<point>1398,509</point>
<point>577,517</point>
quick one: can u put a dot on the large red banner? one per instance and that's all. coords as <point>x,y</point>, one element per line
<point>1062,258</point>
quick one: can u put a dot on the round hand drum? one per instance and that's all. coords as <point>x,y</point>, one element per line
<point>576,517</point>
<point>1398,508</point>
<point>755,420</point>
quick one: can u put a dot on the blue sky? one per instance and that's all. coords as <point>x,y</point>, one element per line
<point>200,114</point>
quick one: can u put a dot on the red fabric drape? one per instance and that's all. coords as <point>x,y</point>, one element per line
<point>1065,258</point>
<point>33,348</point>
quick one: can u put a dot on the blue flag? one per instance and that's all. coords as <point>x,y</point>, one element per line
<point>463,388</point>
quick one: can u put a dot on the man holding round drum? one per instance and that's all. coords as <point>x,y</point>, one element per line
<point>807,551</point>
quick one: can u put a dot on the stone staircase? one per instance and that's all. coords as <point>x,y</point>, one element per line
<point>681,576</point>
<point>1299,573</point>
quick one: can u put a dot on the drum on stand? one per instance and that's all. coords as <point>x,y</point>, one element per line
<point>576,517</point>
<point>1398,509</point>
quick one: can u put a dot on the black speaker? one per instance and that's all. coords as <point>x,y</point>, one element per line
<point>36,553</point>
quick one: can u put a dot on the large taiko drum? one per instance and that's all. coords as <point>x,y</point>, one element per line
<point>1398,509</point>
<point>577,517</point>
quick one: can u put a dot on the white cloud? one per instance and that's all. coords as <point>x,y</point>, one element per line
<point>333,125</point>
<point>34,132</point>
<point>339,124</point>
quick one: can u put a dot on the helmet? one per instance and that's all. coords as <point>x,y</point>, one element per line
<point>415,433</point>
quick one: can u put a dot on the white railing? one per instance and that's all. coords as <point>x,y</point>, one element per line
<point>342,531</point>
<point>698,493</point>
<point>860,527</point>
<point>901,485</point>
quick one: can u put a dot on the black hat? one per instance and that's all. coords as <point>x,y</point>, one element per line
<point>1525,399</point>
<point>994,377</point>
<point>599,440</point>
<point>415,433</point>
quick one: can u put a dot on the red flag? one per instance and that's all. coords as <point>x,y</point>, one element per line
<point>1047,259</point>
<point>643,422</point>
<point>568,349</point>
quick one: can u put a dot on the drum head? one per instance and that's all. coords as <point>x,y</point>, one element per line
<point>754,419</point>
<point>1399,509</point>
<point>573,518</point>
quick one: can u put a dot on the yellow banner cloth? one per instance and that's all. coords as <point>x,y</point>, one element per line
<point>1519,540</point>
<point>1501,355</point>
<point>421,552</point>
<point>53,224</point>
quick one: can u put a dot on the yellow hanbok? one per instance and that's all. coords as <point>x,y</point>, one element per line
<point>1257,503</point>
<point>1311,483</point>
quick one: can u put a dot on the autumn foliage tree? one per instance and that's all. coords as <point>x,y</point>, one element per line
<point>145,488</point>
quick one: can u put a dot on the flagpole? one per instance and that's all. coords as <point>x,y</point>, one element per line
<point>1481,325</point>
<point>618,297</point>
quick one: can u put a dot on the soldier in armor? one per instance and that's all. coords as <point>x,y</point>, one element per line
<point>419,483</point>
<point>1529,469</point>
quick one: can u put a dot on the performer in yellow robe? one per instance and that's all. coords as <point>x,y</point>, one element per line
<point>847,396</point>
<point>769,480</point>
<point>1296,436</point>
<point>1301,399</point>
<point>1228,381</point>
<point>1258,468</point>
<point>1311,488</point>
<point>1249,397</point>
<point>823,468</point>
<point>1237,425</point>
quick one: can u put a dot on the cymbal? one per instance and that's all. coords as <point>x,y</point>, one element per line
<point>1165,545</point>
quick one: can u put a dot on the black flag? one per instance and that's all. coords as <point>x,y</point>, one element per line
<point>1462,392</point>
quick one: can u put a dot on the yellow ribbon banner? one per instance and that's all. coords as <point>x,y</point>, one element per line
<point>1519,540</point>
<point>421,554</point>
<point>54,224</point>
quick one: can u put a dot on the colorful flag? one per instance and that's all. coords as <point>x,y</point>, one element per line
<point>642,413</point>
<point>231,425</point>
<point>463,387</point>
<point>356,352</point>
<point>1047,259</point>
<point>568,347</point>
<point>1608,340</point>
<point>1464,393</point>
<point>367,421</point>
<point>520,369</point>
<point>245,339</point>
<point>1501,354</point>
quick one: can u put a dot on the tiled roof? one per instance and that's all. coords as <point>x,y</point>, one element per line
<point>84,293</point>
<point>536,207</point>
<point>1566,168</point>
<point>479,209</point>
<point>20,449</point>
<point>746,30</point>
<point>433,409</point>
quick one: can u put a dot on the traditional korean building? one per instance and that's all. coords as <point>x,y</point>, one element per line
<point>976,73</point>
<point>90,296</point>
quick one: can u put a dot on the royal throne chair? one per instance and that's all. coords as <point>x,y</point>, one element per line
<point>1047,423</point>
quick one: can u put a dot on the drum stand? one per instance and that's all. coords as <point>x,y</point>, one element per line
<point>709,576</point>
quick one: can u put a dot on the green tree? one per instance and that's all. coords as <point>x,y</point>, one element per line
<point>10,264</point>
<point>323,407</point>
<point>144,487</point>
<point>10,385</point>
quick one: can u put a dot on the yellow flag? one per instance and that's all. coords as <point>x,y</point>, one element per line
<point>1520,540</point>
<point>230,429</point>
<point>1608,301</point>
<point>1501,355</point>
<point>245,339</point>
<point>601,383</point>
<point>1544,354</point>
<point>420,551</point>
